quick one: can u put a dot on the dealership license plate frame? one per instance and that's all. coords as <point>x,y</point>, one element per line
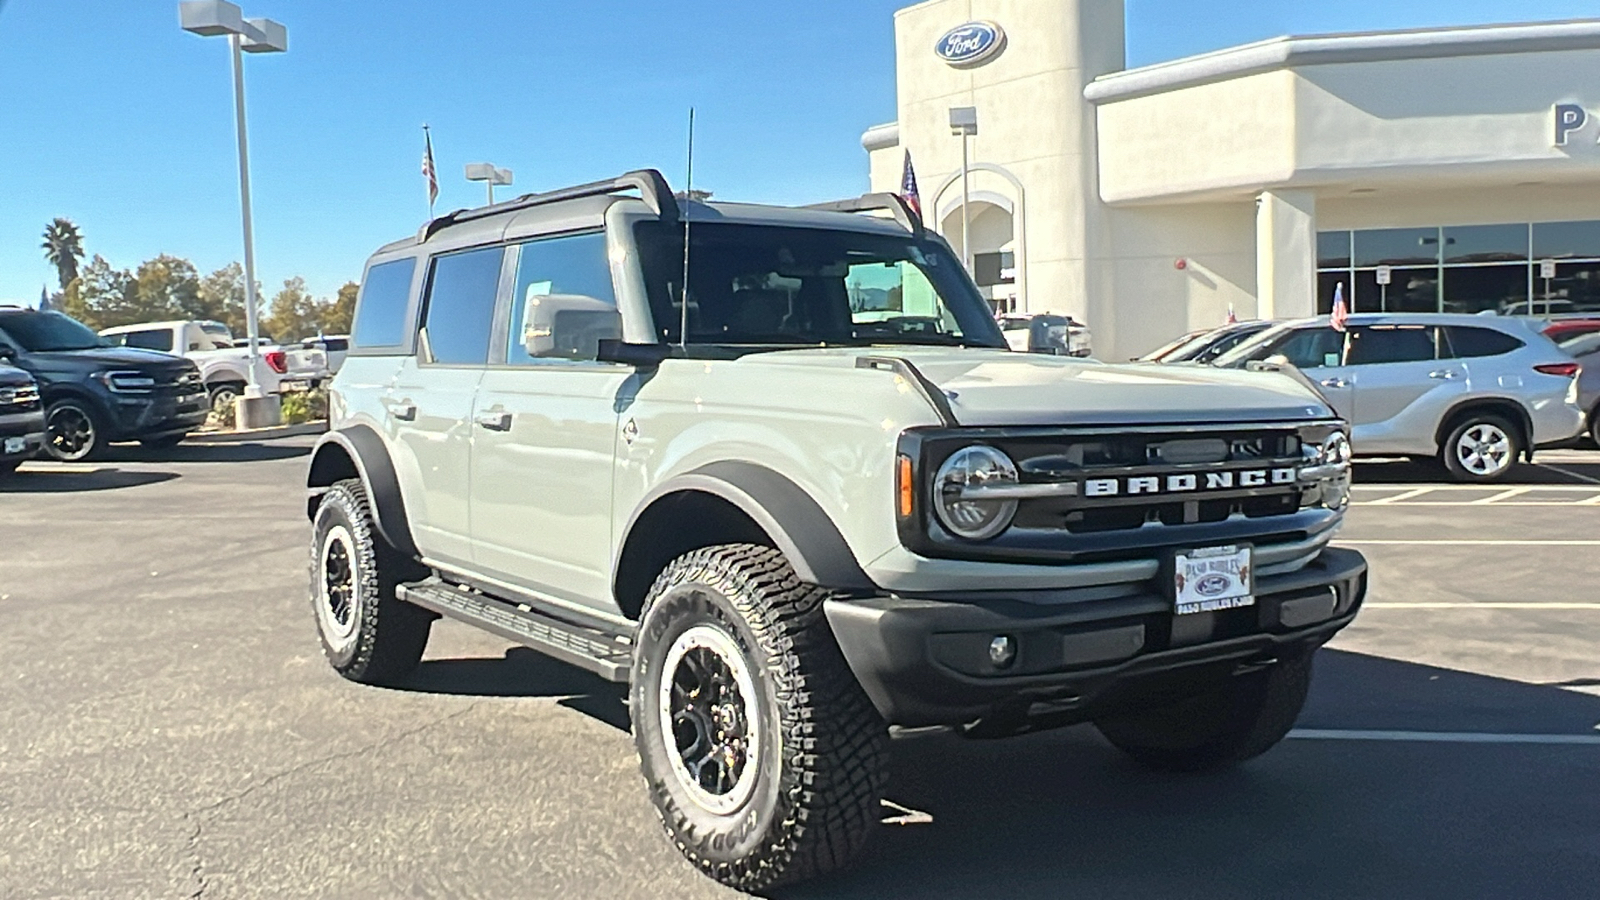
<point>16,445</point>
<point>1237,567</point>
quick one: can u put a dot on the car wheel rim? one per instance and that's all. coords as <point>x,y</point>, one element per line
<point>708,719</point>
<point>338,597</point>
<point>223,399</point>
<point>1484,449</point>
<point>71,432</point>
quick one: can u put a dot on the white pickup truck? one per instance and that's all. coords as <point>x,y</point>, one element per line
<point>223,366</point>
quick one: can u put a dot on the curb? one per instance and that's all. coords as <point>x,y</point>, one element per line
<point>257,434</point>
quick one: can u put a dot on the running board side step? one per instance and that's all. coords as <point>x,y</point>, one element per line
<point>605,655</point>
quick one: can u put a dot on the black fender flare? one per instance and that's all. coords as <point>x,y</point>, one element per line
<point>796,523</point>
<point>366,453</point>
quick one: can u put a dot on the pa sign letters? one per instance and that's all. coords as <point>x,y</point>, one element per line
<point>1570,119</point>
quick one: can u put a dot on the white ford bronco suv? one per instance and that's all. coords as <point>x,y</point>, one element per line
<point>807,496</point>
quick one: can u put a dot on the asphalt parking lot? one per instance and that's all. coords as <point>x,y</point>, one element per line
<point>170,729</point>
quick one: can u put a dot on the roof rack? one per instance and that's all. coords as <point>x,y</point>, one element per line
<point>651,185</point>
<point>894,203</point>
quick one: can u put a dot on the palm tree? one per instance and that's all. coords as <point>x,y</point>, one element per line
<point>63,247</point>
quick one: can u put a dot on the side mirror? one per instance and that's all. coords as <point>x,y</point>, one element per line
<point>8,353</point>
<point>568,326</point>
<point>640,356</point>
<point>1049,334</point>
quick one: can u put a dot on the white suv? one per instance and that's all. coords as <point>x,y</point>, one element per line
<point>1475,392</point>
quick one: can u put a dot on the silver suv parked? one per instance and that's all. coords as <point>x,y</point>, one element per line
<point>1475,392</point>
<point>806,496</point>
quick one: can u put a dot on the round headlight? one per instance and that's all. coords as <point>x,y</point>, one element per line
<point>971,517</point>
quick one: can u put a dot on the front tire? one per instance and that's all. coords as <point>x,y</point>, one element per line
<point>1481,449</point>
<point>1226,725</point>
<point>762,754</point>
<point>368,634</point>
<point>74,431</point>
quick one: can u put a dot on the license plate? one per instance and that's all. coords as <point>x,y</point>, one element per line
<point>16,444</point>
<point>1211,579</point>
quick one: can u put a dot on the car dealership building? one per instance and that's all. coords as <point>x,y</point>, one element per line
<point>1459,167</point>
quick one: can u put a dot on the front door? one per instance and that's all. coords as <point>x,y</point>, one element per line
<point>1401,387</point>
<point>545,428</point>
<point>1318,352</point>
<point>428,409</point>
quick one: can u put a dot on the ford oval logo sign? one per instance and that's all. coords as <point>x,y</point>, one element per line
<point>1213,585</point>
<point>971,44</point>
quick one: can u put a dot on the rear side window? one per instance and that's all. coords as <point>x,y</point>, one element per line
<point>381,308</point>
<point>460,306</point>
<point>1468,342</point>
<point>1378,344</point>
<point>154,339</point>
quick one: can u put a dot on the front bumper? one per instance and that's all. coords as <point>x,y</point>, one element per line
<point>143,416</point>
<point>28,427</point>
<point>924,660</point>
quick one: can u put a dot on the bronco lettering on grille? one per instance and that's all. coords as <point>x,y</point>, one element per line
<point>1180,484</point>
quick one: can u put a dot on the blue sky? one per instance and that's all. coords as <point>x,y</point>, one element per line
<point>112,116</point>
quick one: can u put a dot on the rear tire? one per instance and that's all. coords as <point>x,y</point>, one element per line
<point>1235,721</point>
<point>1482,448</point>
<point>368,634</point>
<point>762,754</point>
<point>223,395</point>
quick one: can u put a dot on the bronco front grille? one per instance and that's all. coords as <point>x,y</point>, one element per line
<point>1118,493</point>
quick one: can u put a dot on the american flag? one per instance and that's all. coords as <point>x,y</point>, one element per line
<point>908,188</point>
<point>427,168</point>
<point>1341,312</point>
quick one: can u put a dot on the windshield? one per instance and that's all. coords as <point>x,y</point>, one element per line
<point>770,286</point>
<point>1251,349</point>
<point>42,332</point>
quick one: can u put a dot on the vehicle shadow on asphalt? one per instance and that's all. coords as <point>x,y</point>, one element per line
<point>1430,472</point>
<point>48,481</point>
<point>1062,814</point>
<point>205,453</point>
<point>524,673</point>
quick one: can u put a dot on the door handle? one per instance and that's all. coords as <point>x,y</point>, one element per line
<point>495,421</point>
<point>1334,383</point>
<point>1445,374</point>
<point>404,410</point>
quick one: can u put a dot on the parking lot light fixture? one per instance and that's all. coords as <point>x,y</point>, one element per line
<point>214,18</point>
<point>487,173</point>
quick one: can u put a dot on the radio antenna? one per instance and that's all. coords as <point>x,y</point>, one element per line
<point>688,198</point>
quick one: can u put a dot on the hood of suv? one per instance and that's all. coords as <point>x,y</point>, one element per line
<point>96,359</point>
<point>991,387</point>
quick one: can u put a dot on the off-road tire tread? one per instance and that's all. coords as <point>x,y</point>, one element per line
<point>393,633</point>
<point>1245,718</point>
<point>835,745</point>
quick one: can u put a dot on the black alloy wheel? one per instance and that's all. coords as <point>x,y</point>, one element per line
<point>74,432</point>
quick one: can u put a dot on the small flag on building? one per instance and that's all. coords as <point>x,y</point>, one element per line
<point>428,170</point>
<point>1232,319</point>
<point>908,188</point>
<point>1340,311</point>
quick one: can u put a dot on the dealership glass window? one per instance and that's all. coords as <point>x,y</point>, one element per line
<point>1326,282</point>
<point>1409,290</point>
<point>1485,243</point>
<point>1474,289</point>
<point>1566,240</point>
<point>1577,284</point>
<point>1333,249</point>
<point>1397,247</point>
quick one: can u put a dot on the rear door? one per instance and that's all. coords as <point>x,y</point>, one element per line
<point>428,409</point>
<point>1402,386</point>
<point>545,426</point>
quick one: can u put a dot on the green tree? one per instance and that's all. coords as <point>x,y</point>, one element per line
<point>222,297</point>
<point>63,247</point>
<point>294,313</point>
<point>168,287</point>
<point>340,315</point>
<point>102,296</point>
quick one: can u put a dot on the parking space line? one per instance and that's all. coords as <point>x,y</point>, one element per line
<point>1503,495</point>
<point>1485,604</point>
<point>1445,542</point>
<point>1444,737</point>
<point>1407,495</point>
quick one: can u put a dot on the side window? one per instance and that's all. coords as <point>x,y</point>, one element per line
<point>460,306</point>
<point>563,304</point>
<point>1311,348</point>
<point>154,339</point>
<point>1467,342</point>
<point>1377,344</point>
<point>381,306</point>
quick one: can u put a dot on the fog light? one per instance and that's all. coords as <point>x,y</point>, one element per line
<point>1002,650</point>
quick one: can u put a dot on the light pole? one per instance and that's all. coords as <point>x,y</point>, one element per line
<point>212,18</point>
<point>964,122</point>
<point>487,173</point>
